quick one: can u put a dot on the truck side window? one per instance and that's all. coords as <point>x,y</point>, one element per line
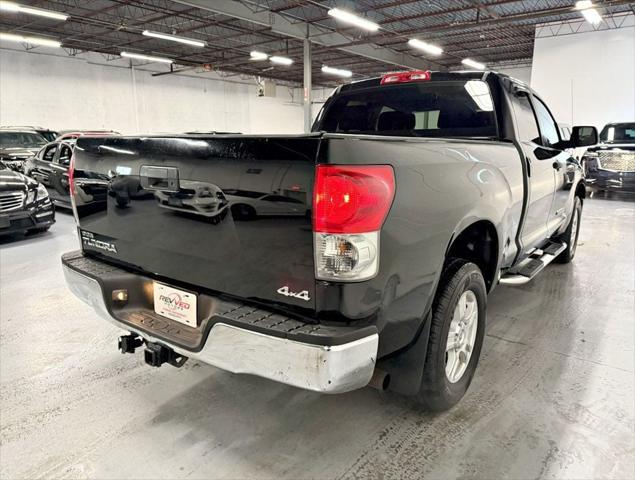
<point>525,119</point>
<point>547,124</point>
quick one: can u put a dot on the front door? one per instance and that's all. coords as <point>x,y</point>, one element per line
<point>541,179</point>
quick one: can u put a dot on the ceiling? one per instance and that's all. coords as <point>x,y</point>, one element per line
<point>490,31</point>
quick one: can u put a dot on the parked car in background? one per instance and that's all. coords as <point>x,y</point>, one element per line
<point>48,134</point>
<point>246,204</point>
<point>68,134</point>
<point>16,145</point>
<point>24,203</point>
<point>50,167</point>
<point>426,189</point>
<point>610,165</point>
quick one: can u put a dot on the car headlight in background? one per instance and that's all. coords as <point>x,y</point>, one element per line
<point>591,161</point>
<point>38,193</point>
<point>42,193</point>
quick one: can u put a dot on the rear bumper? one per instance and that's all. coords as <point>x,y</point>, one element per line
<point>232,336</point>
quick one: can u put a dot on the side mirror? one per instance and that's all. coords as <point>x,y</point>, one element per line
<point>584,136</point>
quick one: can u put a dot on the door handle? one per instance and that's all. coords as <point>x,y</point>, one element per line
<point>556,165</point>
<point>159,178</point>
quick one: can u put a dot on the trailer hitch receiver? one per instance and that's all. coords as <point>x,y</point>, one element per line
<point>156,355</point>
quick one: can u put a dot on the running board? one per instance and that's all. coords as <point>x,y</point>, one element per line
<point>526,270</point>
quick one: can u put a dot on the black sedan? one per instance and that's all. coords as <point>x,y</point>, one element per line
<point>25,205</point>
<point>50,167</point>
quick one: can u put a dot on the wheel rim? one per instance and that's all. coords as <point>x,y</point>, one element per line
<point>461,336</point>
<point>574,231</point>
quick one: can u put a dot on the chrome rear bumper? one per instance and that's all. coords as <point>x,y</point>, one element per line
<point>321,368</point>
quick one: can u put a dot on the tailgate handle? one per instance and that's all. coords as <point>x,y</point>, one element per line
<point>159,178</point>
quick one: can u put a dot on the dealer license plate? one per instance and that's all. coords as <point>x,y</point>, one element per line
<point>175,304</point>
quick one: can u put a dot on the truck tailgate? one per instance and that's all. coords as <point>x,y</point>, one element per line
<point>230,214</point>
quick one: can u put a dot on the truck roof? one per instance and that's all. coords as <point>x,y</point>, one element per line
<point>435,76</point>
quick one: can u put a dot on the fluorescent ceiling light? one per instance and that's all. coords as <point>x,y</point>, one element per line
<point>592,16</point>
<point>17,8</point>
<point>582,4</point>
<point>425,46</point>
<point>479,91</point>
<point>44,42</point>
<point>138,56</point>
<point>471,63</point>
<point>280,60</point>
<point>340,72</point>
<point>353,19</point>
<point>174,38</point>
<point>255,55</point>
<point>589,13</point>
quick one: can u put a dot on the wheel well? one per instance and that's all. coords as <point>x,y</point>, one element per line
<point>478,243</point>
<point>580,191</point>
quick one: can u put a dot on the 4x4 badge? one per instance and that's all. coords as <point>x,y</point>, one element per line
<point>303,295</point>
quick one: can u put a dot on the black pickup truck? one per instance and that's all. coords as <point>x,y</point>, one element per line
<point>359,254</point>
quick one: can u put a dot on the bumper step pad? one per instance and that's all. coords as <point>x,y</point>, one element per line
<point>139,314</point>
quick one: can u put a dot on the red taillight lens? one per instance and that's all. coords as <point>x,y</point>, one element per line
<point>404,77</point>
<point>71,175</point>
<point>352,199</point>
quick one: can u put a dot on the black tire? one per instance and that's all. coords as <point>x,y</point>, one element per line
<point>243,212</point>
<point>571,234</point>
<point>437,392</point>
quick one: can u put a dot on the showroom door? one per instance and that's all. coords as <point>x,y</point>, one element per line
<point>541,180</point>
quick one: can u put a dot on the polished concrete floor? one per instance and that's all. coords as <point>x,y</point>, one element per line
<point>553,396</point>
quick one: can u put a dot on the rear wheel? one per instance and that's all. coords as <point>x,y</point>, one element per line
<point>571,234</point>
<point>456,336</point>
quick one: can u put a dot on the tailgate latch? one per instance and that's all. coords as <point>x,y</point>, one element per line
<point>165,179</point>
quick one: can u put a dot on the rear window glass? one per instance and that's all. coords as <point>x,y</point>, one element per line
<point>431,109</point>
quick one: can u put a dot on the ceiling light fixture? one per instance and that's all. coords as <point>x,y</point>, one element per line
<point>425,46</point>
<point>43,42</point>
<point>17,8</point>
<point>149,58</point>
<point>340,72</point>
<point>589,13</point>
<point>280,60</point>
<point>174,38</point>
<point>353,19</point>
<point>256,55</point>
<point>473,64</point>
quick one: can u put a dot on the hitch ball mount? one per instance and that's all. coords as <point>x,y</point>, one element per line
<point>154,354</point>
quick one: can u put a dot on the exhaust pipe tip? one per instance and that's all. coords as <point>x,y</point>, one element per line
<point>380,380</point>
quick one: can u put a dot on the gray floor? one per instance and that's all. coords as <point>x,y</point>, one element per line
<point>553,396</point>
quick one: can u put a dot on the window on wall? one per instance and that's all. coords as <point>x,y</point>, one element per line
<point>548,126</point>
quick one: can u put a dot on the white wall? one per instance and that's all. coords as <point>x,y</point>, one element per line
<point>60,92</point>
<point>587,78</point>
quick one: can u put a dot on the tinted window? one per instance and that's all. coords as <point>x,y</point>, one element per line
<point>65,154</point>
<point>618,133</point>
<point>21,139</point>
<point>423,109</point>
<point>49,153</point>
<point>548,126</point>
<point>525,119</point>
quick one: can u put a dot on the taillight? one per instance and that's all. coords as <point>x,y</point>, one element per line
<point>71,175</point>
<point>350,204</point>
<point>404,77</point>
